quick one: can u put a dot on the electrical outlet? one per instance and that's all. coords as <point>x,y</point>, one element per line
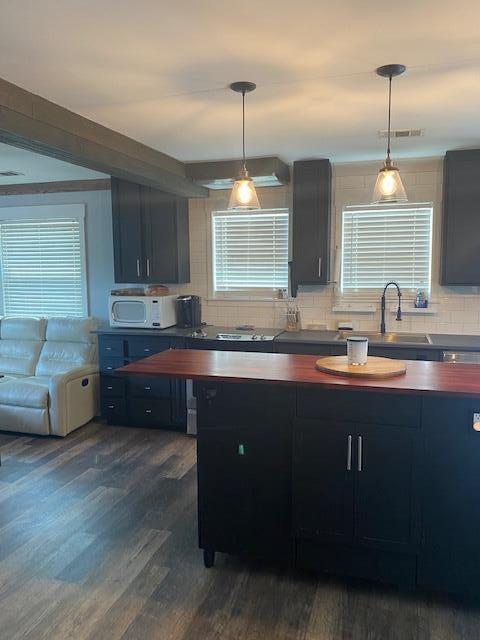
<point>476,421</point>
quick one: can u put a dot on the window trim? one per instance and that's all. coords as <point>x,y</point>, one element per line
<point>371,294</point>
<point>51,212</point>
<point>266,294</point>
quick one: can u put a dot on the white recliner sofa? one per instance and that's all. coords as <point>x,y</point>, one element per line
<point>50,374</point>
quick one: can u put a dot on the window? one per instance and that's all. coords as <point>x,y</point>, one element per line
<point>43,264</point>
<point>250,250</point>
<point>386,243</point>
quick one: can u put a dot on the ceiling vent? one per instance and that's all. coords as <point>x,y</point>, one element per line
<point>220,174</point>
<point>402,133</point>
<point>9,174</point>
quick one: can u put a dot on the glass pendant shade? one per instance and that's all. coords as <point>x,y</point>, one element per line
<point>244,196</point>
<point>389,186</point>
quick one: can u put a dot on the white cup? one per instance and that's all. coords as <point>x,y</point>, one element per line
<point>357,350</point>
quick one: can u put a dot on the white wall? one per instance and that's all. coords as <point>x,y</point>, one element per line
<point>99,242</point>
<point>458,309</point>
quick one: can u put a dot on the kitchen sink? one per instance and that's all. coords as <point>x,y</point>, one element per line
<point>390,337</point>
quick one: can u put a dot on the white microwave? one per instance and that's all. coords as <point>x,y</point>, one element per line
<point>142,312</point>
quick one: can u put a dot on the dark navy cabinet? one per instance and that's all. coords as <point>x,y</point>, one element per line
<point>150,235</point>
<point>460,232</point>
<point>139,401</point>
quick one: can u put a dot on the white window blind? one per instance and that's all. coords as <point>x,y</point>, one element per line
<point>386,243</point>
<point>250,250</point>
<point>43,267</point>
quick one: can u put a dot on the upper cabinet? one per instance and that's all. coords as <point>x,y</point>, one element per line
<point>150,235</point>
<point>312,188</point>
<point>461,218</point>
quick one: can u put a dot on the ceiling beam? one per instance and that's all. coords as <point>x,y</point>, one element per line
<point>34,123</point>
<point>60,186</point>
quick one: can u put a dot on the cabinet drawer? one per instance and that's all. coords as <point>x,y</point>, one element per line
<point>149,413</point>
<point>451,415</point>
<point>110,363</point>
<point>353,406</point>
<point>140,347</point>
<point>111,346</point>
<point>140,387</point>
<point>112,387</point>
<point>114,410</point>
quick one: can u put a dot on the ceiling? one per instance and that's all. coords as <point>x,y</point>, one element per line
<point>157,71</point>
<point>34,167</point>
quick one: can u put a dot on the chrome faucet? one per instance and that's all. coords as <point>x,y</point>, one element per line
<point>399,310</point>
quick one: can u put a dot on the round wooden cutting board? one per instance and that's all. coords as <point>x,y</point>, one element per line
<point>375,367</point>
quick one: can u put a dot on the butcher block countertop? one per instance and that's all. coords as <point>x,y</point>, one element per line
<point>422,378</point>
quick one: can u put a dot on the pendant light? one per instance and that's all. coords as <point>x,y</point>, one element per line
<point>389,186</point>
<point>243,196</point>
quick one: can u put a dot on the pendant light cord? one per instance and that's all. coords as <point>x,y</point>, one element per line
<point>243,132</point>
<point>389,115</point>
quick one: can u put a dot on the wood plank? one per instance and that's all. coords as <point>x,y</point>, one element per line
<point>32,122</point>
<point>421,378</point>
<point>60,186</point>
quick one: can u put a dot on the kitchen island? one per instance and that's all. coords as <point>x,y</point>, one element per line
<point>369,478</point>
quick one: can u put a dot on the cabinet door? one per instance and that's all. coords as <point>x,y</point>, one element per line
<point>450,557</point>
<point>461,227</point>
<point>386,502</point>
<point>166,237</point>
<point>244,468</point>
<point>311,222</point>
<point>129,264</point>
<point>225,489</point>
<point>323,479</point>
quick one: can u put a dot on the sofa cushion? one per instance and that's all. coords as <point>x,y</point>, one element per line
<point>71,330</point>
<point>59,357</point>
<point>12,328</point>
<point>69,344</point>
<point>19,357</point>
<point>24,393</point>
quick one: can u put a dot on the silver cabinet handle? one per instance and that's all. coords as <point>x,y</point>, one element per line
<point>349,453</point>
<point>138,267</point>
<point>147,350</point>
<point>319,267</point>
<point>148,267</point>
<point>360,453</point>
<point>111,406</point>
<point>110,388</point>
<point>108,348</point>
<point>148,388</point>
<point>148,411</point>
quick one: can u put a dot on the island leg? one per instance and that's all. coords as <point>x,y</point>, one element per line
<point>208,558</point>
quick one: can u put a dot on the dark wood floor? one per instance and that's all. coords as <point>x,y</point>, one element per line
<point>98,541</point>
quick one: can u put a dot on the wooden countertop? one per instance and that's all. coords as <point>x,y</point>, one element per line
<point>424,378</point>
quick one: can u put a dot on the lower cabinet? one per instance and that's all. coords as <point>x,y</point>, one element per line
<point>450,558</point>
<point>139,401</point>
<point>244,469</point>
<point>355,490</point>
<point>279,476</point>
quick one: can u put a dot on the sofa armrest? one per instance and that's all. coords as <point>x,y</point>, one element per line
<point>73,398</point>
